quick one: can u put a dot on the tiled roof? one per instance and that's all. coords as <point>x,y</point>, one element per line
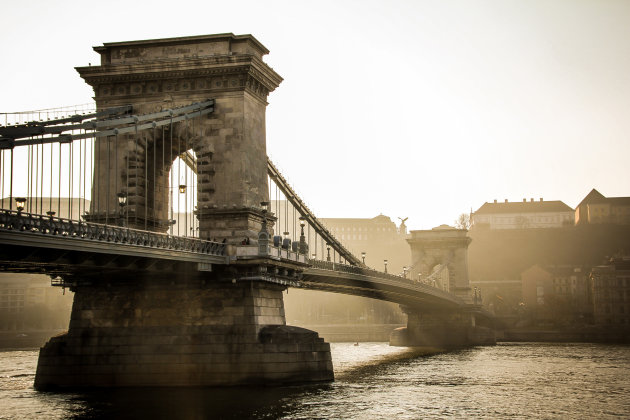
<point>524,207</point>
<point>593,197</point>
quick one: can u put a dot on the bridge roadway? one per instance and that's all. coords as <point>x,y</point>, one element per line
<point>61,247</point>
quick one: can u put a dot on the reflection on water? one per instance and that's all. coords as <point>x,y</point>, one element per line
<point>373,380</point>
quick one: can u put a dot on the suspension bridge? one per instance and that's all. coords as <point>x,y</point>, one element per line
<point>158,206</point>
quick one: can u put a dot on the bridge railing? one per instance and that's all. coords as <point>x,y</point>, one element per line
<point>28,223</point>
<point>365,271</point>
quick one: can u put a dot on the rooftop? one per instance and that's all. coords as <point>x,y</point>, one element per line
<point>524,207</point>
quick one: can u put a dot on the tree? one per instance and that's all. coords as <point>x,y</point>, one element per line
<point>463,221</point>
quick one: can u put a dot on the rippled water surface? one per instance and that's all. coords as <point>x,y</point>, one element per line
<point>373,380</point>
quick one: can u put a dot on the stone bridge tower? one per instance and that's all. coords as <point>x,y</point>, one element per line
<point>443,245</point>
<point>229,144</point>
<point>433,326</point>
<point>184,325</point>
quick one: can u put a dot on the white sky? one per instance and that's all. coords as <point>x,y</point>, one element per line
<point>423,109</point>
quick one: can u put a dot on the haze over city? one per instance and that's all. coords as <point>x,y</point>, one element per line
<point>154,263</point>
<point>414,109</point>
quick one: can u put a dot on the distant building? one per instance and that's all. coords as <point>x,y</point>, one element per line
<point>28,301</point>
<point>378,237</point>
<point>69,208</point>
<point>557,292</point>
<point>537,286</point>
<point>523,215</point>
<point>597,209</point>
<point>610,290</point>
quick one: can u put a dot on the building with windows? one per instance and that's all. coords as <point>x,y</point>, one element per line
<point>557,292</point>
<point>378,237</point>
<point>28,301</point>
<point>610,290</point>
<point>597,209</point>
<point>523,215</point>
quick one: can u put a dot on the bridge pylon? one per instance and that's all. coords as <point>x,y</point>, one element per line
<point>212,323</point>
<point>436,326</point>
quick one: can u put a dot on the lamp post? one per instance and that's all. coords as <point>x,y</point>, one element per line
<point>182,188</point>
<point>265,208</point>
<point>303,247</point>
<point>363,257</point>
<point>313,256</point>
<point>328,250</point>
<point>404,272</point>
<point>385,261</point>
<point>20,203</point>
<point>263,235</point>
<point>286,242</point>
<point>122,202</point>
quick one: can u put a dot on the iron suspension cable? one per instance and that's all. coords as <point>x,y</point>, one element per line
<point>135,172</point>
<point>146,182</point>
<point>51,179</point>
<point>154,176</point>
<point>41,184</point>
<point>163,173</point>
<point>170,177</point>
<point>29,176</point>
<point>108,178</point>
<point>117,190</point>
<point>59,185</point>
<point>11,183</point>
<point>70,178</point>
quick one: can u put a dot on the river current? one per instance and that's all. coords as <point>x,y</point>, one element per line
<point>373,381</point>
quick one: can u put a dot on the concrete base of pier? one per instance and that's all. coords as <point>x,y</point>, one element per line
<point>442,330</point>
<point>186,335</point>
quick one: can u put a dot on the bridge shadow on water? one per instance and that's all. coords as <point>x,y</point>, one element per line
<point>190,403</point>
<point>247,402</point>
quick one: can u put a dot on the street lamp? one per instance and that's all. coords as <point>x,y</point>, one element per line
<point>303,248</point>
<point>313,256</point>
<point>182,188</point>
<point>51,213</point>
<point>328,250</point>
<point>265,208</point>
<point>20,203</point>
<point>363,257</point>
<point>122,202</point>
<point>405,272</point>
<point>263,235</point>
<point>385,261</point>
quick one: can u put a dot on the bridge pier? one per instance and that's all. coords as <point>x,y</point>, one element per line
<point>441,329</point>
<point>166,333</point>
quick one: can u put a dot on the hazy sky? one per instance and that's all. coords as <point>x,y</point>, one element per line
<point>423,109</point>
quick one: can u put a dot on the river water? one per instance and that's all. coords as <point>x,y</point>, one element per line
<point>373,381</point>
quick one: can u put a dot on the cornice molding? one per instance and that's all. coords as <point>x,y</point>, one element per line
<point>199,75</point>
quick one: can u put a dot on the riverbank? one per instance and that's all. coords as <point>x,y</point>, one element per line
<point>354,333</point>
<point>26,339</point>
<point>586,335</point>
